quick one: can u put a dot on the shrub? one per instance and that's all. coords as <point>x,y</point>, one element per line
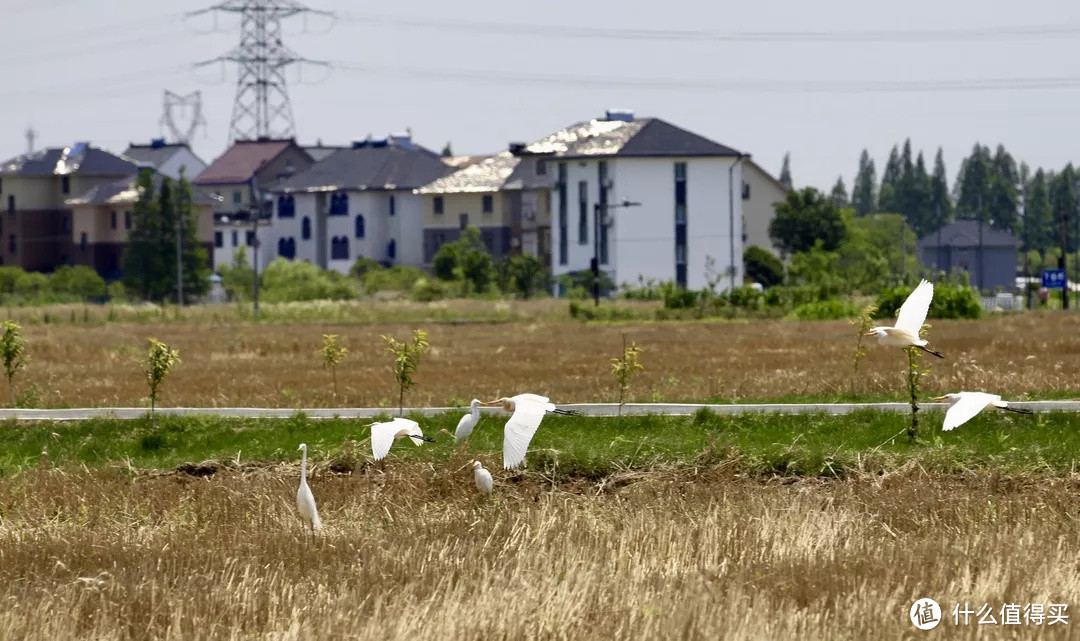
<point>80,281</point>
<point>831,309</point>
<point>294,280</point>
<point>761,266</point>
<point>31,284</point>
<point>644,290</point>
<point>677,298</point>
<point>399,278</point>
<point>524,274</point>
<point>951,300</point>
<point>467,259</point>
<point>362,266</point>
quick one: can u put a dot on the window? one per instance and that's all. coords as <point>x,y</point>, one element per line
<point>602,211</point>
<point>219,241</point>
<point>82,240</point>
<point>359,226</point>
<point>583,212</point>
<point>437,205</point>
<point>489,240</point>
<point>339,248</point>
<point>235,239</point>
<point>393,205</point>
<point>680,224</point>
<point>11,244</point>
<point>487,204</point>
<point>127,220</point>
<point>746,191</point>
<point>464,221</point>
<point>564,225</point>
<point>391,249</point>
<point>249,238</point>
<point>286,248</point>
<point>286,206</point>
<point>237,197</point>
<point>541,168</point>
<point>112,220</point>
<point>65,184</point>
<point>305,228</point>
<point>11,203</point>
<point>339,204</point>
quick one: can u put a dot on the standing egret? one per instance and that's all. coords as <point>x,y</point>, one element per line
<point>305,502</point>
<point>484,482</point>
<point>384,434</point>
<point>965,405</point>
<point>909,321</point>
<point>467,423</point>
<point>527,412</point>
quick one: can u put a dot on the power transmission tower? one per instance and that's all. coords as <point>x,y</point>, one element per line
<point>191,104</point>
<point>262,107</point>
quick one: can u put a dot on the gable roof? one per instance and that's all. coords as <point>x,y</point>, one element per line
<point>242,161</point>
<point>125,191</point>
<point>769,177</point>
<point>501,172</point>
<point>319,151</point>
<point>155,154</point>
<point>80,159</point>
<point>389,167</point>
<point>965,233</point>
<point>640,137</point>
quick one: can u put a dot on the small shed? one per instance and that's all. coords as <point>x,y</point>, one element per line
<point>985,252</point>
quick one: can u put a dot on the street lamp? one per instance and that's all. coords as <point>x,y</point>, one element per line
<point>597,208</point>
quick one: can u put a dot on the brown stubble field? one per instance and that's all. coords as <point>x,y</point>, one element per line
<point>276,365</point>
<point>413,552</point>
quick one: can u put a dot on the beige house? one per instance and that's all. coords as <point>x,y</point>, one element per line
<point>507,197</point>
<point>101,224</point>
<point>760,193</point>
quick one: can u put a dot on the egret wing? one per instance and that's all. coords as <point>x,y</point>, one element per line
<point>962,411</point>
<point>913,312</point>
<point>412,428</point>
<point>530,398</point>
<point>382,437</point>
<point>519,432</point>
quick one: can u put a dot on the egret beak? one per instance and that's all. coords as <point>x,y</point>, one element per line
<point>940,398</point>
<point>870,333</point>
<point>489,403</point>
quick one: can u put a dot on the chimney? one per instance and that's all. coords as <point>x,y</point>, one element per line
<point>157,143</point>
<point>517,148</point>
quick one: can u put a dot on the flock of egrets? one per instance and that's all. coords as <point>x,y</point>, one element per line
<point>528,410</point>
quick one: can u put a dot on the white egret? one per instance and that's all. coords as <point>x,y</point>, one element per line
<point>909,321</point>
<point>305,502</point>
<point>484,482</point>
<point>467,423</point>
<point>527,412</point>
<point>965,405</point>
<point>384,434</point>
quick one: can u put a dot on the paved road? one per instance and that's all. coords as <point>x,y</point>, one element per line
<point>589,409</point>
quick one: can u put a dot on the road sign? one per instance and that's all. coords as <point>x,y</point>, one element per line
<point>1053,278</point>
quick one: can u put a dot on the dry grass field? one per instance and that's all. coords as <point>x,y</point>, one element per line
<point>276,365</point>
<point>413,552</point>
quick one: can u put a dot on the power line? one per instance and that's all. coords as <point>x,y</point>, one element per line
<point>262,107</point>
<point>1009,32</point>
<point>736,85</point>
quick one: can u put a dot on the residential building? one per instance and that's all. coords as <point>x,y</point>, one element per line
<point>167,159</point>
<point>985,252</point>
<point>246,168</point>
<point>507,197</point>
<point>761,191</point>
<point>36,223</point>
<point>685,222</point>
<point>356,202</point>
<point>102,223</point>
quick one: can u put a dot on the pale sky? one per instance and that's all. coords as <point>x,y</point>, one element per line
<point>95,70</point>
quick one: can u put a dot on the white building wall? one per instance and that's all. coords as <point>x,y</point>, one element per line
<point>642,238</point>
<point>407,227</point>
<point>182,158</point>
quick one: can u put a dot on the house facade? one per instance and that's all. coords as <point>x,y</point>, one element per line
<point>36,224</point>
<point>986,253</point>
<point>357,202</point>
<point>507,197</point>
<point>167,159</point>
<point>761,191</point>
<point>102,224</point>
<point>241,180</point>
<point>685,220</point>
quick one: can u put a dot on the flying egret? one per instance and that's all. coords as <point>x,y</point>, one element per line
<point>527,412</point>
<point>909,321</point>
<point>305,502</point>
<point>965,405</point>
<point>484,482</point>
<point>384,434</point>
<point>467,423</point>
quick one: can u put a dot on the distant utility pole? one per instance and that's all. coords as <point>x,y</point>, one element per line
<point>261,108</point>
<point>1061,259</point>
<point>192,103</point>
<point>30,136</point>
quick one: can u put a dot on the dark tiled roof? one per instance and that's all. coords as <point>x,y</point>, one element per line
<point>240,162</point>
<point>370,168</point>
<point>153,155</point>
<point>503,171</point>
<point>965,233</point>
<point>125,191</point>
<point>320,152</point>
<point>79,159</point>
<point>642,137</point>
